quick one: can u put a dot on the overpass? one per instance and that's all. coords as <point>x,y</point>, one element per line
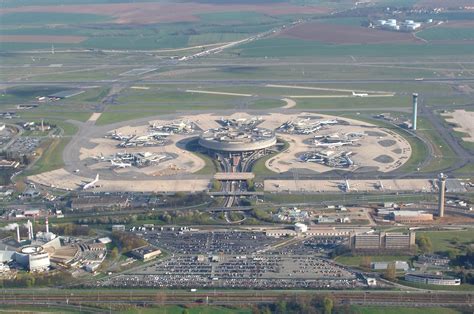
<point>233,176</point>
<point>235,193</point>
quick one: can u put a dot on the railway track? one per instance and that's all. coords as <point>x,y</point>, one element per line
<point>232,297</point>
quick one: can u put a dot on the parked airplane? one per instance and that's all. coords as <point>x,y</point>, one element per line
<point>359,94</point>
<point>120,164</point>
<point>331,145</point>
<point>91,184</point>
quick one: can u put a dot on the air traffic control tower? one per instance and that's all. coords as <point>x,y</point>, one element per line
<point>415,110</point>
<point>442,191</point>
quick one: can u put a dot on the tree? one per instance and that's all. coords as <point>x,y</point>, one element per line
<point>391,272</point>
<point>185,311</point>
<point>455,240</point>
<point>328,305</point>
<point>114,253</point>
<point>365,262</point>
<point>452,254</point>
<point>424,244</point>
<point>281,307</point>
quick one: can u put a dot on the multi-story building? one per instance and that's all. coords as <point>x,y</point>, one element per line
<point>383,241</point>
<point>432,279</point>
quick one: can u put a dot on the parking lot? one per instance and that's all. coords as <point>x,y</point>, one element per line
<point>235,259</point>
<point>258,271</point>
<point>190,242</point>
<point>24,145</point>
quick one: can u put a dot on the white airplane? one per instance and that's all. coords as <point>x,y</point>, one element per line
<point>120,164</point>
<point>324,122</point>
<point>119,136</point>
<point>152,134</point>
<point>344,186</point>
<point>99,157</point>
<point>91,184</point>
<point>331,145</point>
<point>359,94</point>
<point>347,187</point>
<point>159,158</point>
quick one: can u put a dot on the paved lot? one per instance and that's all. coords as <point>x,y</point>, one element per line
<point>464,120</point>
<point>414,185</point>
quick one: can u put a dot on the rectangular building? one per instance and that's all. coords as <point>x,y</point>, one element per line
<point>382,241</point>
<point>367,241</point>
<point>146,253</point>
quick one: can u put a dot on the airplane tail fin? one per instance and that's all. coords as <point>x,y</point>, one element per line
<point>97,177</point>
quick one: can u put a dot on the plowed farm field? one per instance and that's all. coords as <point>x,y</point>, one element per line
<point>146,13</point>
<point>341,34</point>
<point>42,39</point>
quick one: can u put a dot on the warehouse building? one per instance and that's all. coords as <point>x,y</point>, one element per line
<point>432,279</point>
<point>146,253</point>
<point>399,265</point>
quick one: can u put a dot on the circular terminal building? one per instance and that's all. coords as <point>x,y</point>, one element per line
<point>237,138</point>
<point>33,258</point>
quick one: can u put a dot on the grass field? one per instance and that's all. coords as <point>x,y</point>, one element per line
<point>404,310</point>
<point>259,168</point>
<point>50,18</point>
<point>26,93</point>
<point>62,114</point>
<point>443,155</point>
<point>447,33</point>
<point>51,158</point>
<point>284,47</point>
<point>382,103</point>
<point>173,309</point>
<point>153,96</point>
<point>442,239</point>
<point>112,117</point>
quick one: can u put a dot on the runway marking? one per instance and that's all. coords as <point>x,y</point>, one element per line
<point>339,96</point>
<point>94,117</point>
<point>327,89</point>
<point>217,93</point>
<point>139,87</point>
<point>290,103</point>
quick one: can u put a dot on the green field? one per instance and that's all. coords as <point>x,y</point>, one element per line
<point>61,114</point>
<point>354,103</point>
<point>442,239</point>
<point>444,157</point>
<point>51,159</point>
<point>112,117</point>
<point>173,309</point>
<point>41,18</point>
<point>233,18</point>
<point>404,310</point>
<point>284,47</point>
<point>447,33</point>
